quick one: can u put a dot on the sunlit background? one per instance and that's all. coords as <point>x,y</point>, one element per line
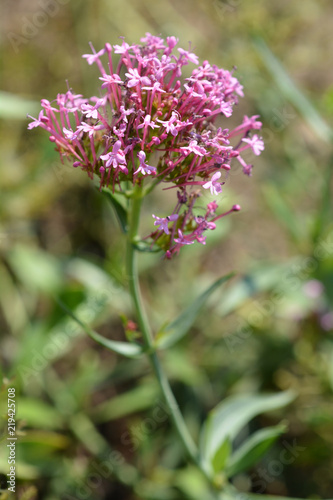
<point>269,329</point>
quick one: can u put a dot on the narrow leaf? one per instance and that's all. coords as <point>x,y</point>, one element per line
<point>283,212</point>
<point>36,269</point>
<point>253,449</point>
<point>134,400</point>
<point>123,348</point>
<point>221,456</point>
<point>323,216</point>
<point>293,93</point>
<point>36,413</point>
<point>230,416</point>
<point>180,326</point>
<point>15,107</point>
<point>120,210</point>
<point>260,279</point>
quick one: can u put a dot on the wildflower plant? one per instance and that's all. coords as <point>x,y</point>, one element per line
<point>148,126</point>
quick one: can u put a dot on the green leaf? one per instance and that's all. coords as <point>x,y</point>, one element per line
<point>193,484</point>
<point>261,279</point>
<point>37,269</point>
<point>123,348</point>
<point>283,212</point>
<point>180,326</point>
<point>292,92</point>
<point>253,449</point>
<point>15,107</point>
<point>36,413</point>
<point>323,216</point>
<point>221,456</point>
<point>120,210</point>
<point>230,416</point>
<point>24,470</point>
<point>138,399</point>
<point>98,282</point>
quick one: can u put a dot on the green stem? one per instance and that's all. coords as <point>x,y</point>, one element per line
<point>133,281</point>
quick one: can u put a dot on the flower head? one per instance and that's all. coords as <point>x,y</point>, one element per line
<point>147,124</point>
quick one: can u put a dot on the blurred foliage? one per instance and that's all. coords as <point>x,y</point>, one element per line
<point>91,424</point>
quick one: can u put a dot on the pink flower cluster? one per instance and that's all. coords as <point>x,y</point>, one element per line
<point>147,124</point>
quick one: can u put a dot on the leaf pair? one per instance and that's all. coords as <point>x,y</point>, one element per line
<point>225,422</point>
<point>171,334</point>
<point>178,328</point>
<point>130,350</point>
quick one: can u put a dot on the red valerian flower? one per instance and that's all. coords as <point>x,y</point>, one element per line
<point>148,124</point>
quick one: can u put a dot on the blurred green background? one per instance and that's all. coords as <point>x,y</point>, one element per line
<point>92,425</point>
